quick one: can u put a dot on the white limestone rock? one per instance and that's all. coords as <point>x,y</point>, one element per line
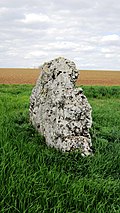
<point>58,110</point>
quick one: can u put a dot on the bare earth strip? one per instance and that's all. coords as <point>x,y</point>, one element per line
<point>86,77</point>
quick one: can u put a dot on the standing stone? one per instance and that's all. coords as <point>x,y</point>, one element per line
<point>58,110</point>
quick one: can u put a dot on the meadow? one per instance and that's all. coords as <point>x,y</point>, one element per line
<point>35,178</point>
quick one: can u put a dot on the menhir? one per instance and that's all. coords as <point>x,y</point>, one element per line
<point>58,110</point>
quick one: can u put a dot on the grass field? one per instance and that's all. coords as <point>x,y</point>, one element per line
<point>35,178</point>
<point>86,77</point>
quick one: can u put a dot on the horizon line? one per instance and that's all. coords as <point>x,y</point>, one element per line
<point>78,69</point>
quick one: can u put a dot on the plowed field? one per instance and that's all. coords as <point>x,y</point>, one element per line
<point>86,77</point>
<point>105,78</point>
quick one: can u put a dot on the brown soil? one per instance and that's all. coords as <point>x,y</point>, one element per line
<point>18,76</point>
<point>86,77</point>
<point>106,78</point>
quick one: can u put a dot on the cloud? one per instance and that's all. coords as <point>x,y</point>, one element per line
<point>34,18</point>
<point>109,38</point>
<point>35,31</point>
<point>36,54</point>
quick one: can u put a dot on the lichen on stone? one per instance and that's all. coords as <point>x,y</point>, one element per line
<point>59,110</point>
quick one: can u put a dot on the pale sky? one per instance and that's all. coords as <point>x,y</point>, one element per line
<point>85,31</point>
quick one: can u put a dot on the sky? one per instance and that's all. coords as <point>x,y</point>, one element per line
<point>84,31</point>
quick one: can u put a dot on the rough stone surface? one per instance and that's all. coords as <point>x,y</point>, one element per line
<point>58,110</point>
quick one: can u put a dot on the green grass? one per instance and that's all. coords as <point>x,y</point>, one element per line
<point>35,178</point>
